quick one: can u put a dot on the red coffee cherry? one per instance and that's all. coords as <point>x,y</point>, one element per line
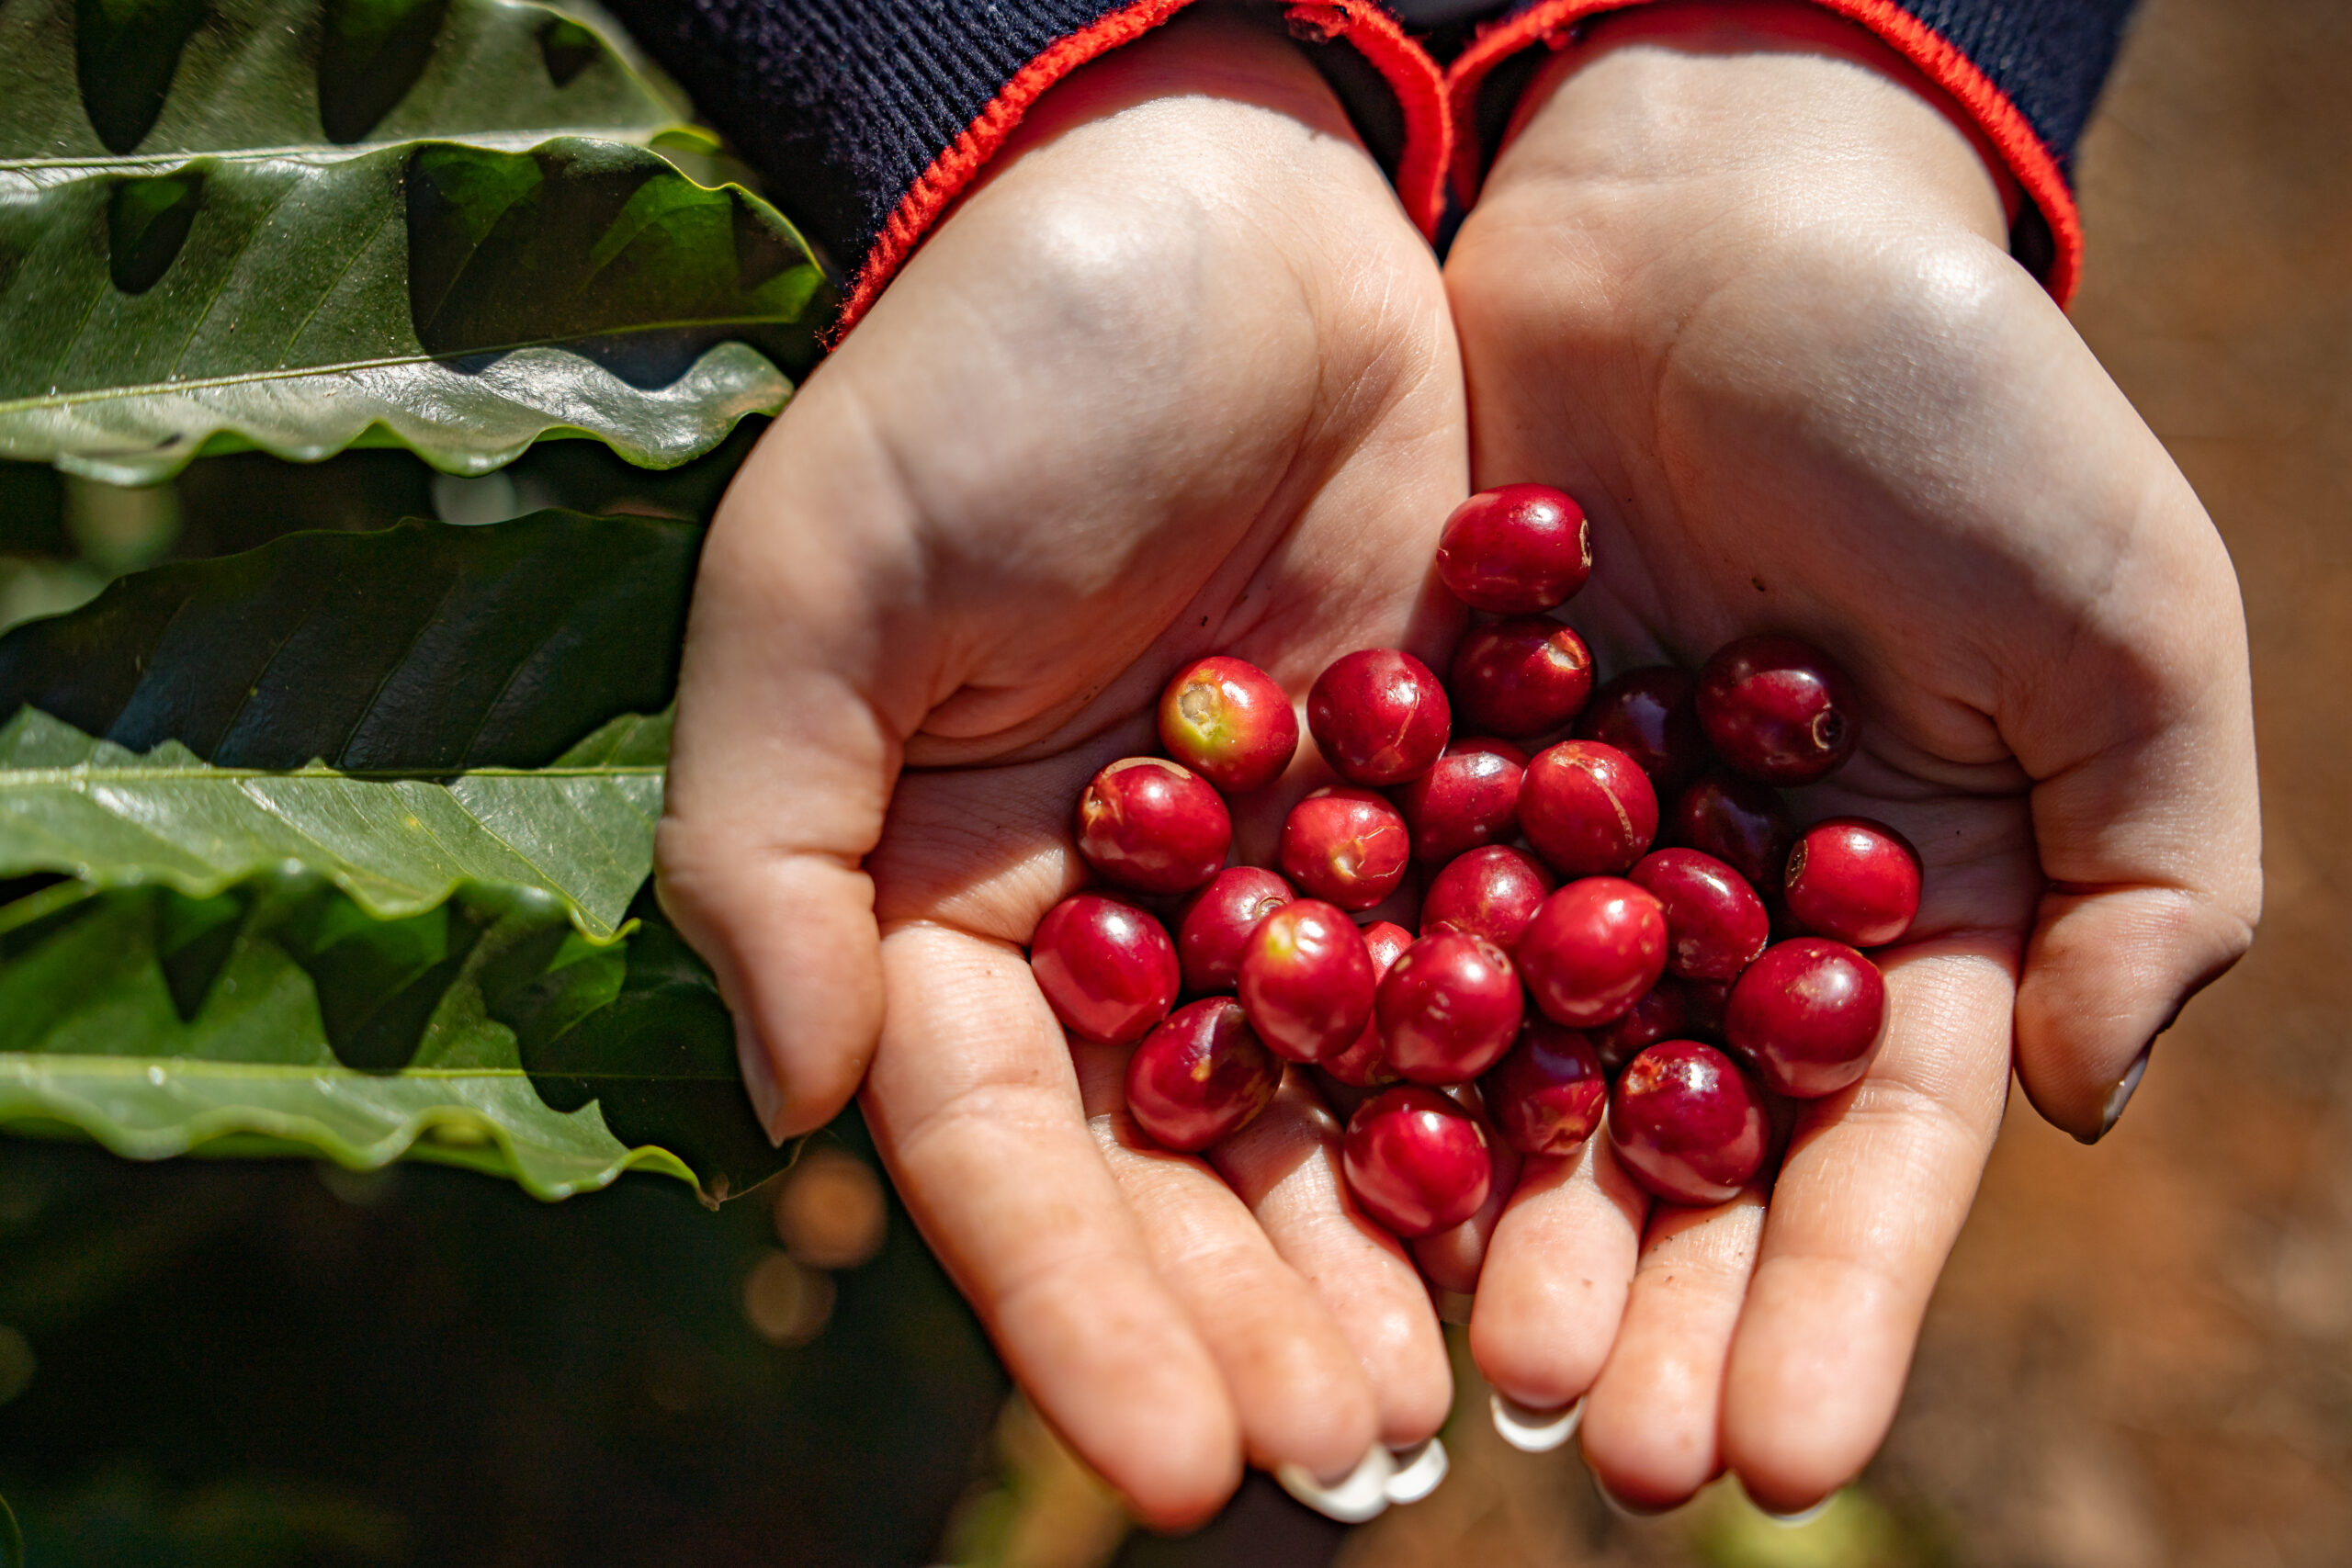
<point>1525,676</point>
<point>1744,824</point>
<point>1470,797</point>
<point>1108,969</point>
<point>1379,717</point>
<point>1592,949</point>
<point>1347,846</point>
<point>1364,1065</point>
<point>1491,893</point>
<point>1307,981</point>
<point>1854,881</point>
<point>1688,1123</point>
<point>1777,709</point>
<point>1809,1014</point>
<point>1200,1075</point>
<point>1450,1006</point>
<point>1228,721</point>
<point>1587,809</point>
<point>1218,919</point>
<point>1149,824</point>
<point>1515,549</point>
<point>1547,1093</point>
<point>1417,1161</point>
<point>1715,925</point>
<point>1652,716</point>
<point>1663,1013</point>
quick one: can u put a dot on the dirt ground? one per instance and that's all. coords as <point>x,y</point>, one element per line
<point>2142,1354</point>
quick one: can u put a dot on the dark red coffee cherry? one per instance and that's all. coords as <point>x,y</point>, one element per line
<point>1147,823</point>
<point>1218,920</point>
<point>1200,1075</point>
<point>1587,809</point>
<point>1715,925</point>
<point>1663,1013</point>
<point>1307,981</point>
<point>1704,1002</point>
<point>1854,881</point>
<point>1347,847</point>
<point>1491,893</point>
<point>1228,721</point>
<point>1515,549</point>
<point>1592,950</point>
<point>1809,1014</point>
<point>1778,709</point>
<point>1108,970</point>
<point>1688,1123</point>
<point>1450,1006</point>
<point>1470,797</point>
<point>1379,717</point>
<point>1547,1093</point>
<point>1364,1065</point>
<point>1744,824</point>
<point>1417,1161</point>
<point>1525,676</point>
<point>1652,716</point>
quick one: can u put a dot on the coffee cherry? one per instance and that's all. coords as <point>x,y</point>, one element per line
<point>1347,847</point>
<point>1450,1006</point>
<point>1200,1075</point>
<point>1525,676</point>
<point>1715,925</point>
<point>1515,549</point>
<point>1547,1093</point>
<point>1470,797</point>
<point>1108,969</point>
<point>1364,1065</point>
<point>1809,1014</point>
<point>1663,1013</point>
<point>1307,981</point>
<point>1587,809</point>
<point>1149,824</point>
<point>1744,824</point>
<point>1592,950</point>
<point>1652,716</point>
<point>1688,1123</point>
<point>1491,893</point>
<point>1417,1161</point>
<point>1229,722</point>
<point>1379,717</point>
<point>1219,917</point>
<point>1777,709</point>
<point>1854,881</point>
<point>1704,1002</point>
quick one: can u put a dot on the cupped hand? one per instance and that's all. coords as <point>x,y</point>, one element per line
<point>1740,284</point>
<point>1178,378</point>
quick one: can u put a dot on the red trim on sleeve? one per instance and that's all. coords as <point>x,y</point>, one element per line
<point>1411,75</point>
<point>2036,169</point>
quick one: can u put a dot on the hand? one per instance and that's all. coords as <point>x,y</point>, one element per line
<point>1178,378</point>
<point>1740,284</point>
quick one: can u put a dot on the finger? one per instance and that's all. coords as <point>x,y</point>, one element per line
<point>1651,1422</point>
<point>1286,1166</point>
<point>2146,817</point>
<point>973,1102</point>
<point>1557,1270</point>
<point>1453,1258</point>
<point>1868,1203</point>
<point>782,765</point>
<point>1303,1396</point>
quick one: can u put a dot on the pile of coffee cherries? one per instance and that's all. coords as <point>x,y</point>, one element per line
<point>1568,971</point>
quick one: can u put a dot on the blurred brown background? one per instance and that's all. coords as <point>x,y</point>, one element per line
<point>2142,1354</point>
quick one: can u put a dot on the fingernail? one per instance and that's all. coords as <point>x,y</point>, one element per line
<point>2121,1095</point>
<point>1359,1495</point>
<point>1802,1515</point>
<point>1533,1431</point>
<point>1622,1508</point>
<point>759,1082</point>
<point>1420,1469</point>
